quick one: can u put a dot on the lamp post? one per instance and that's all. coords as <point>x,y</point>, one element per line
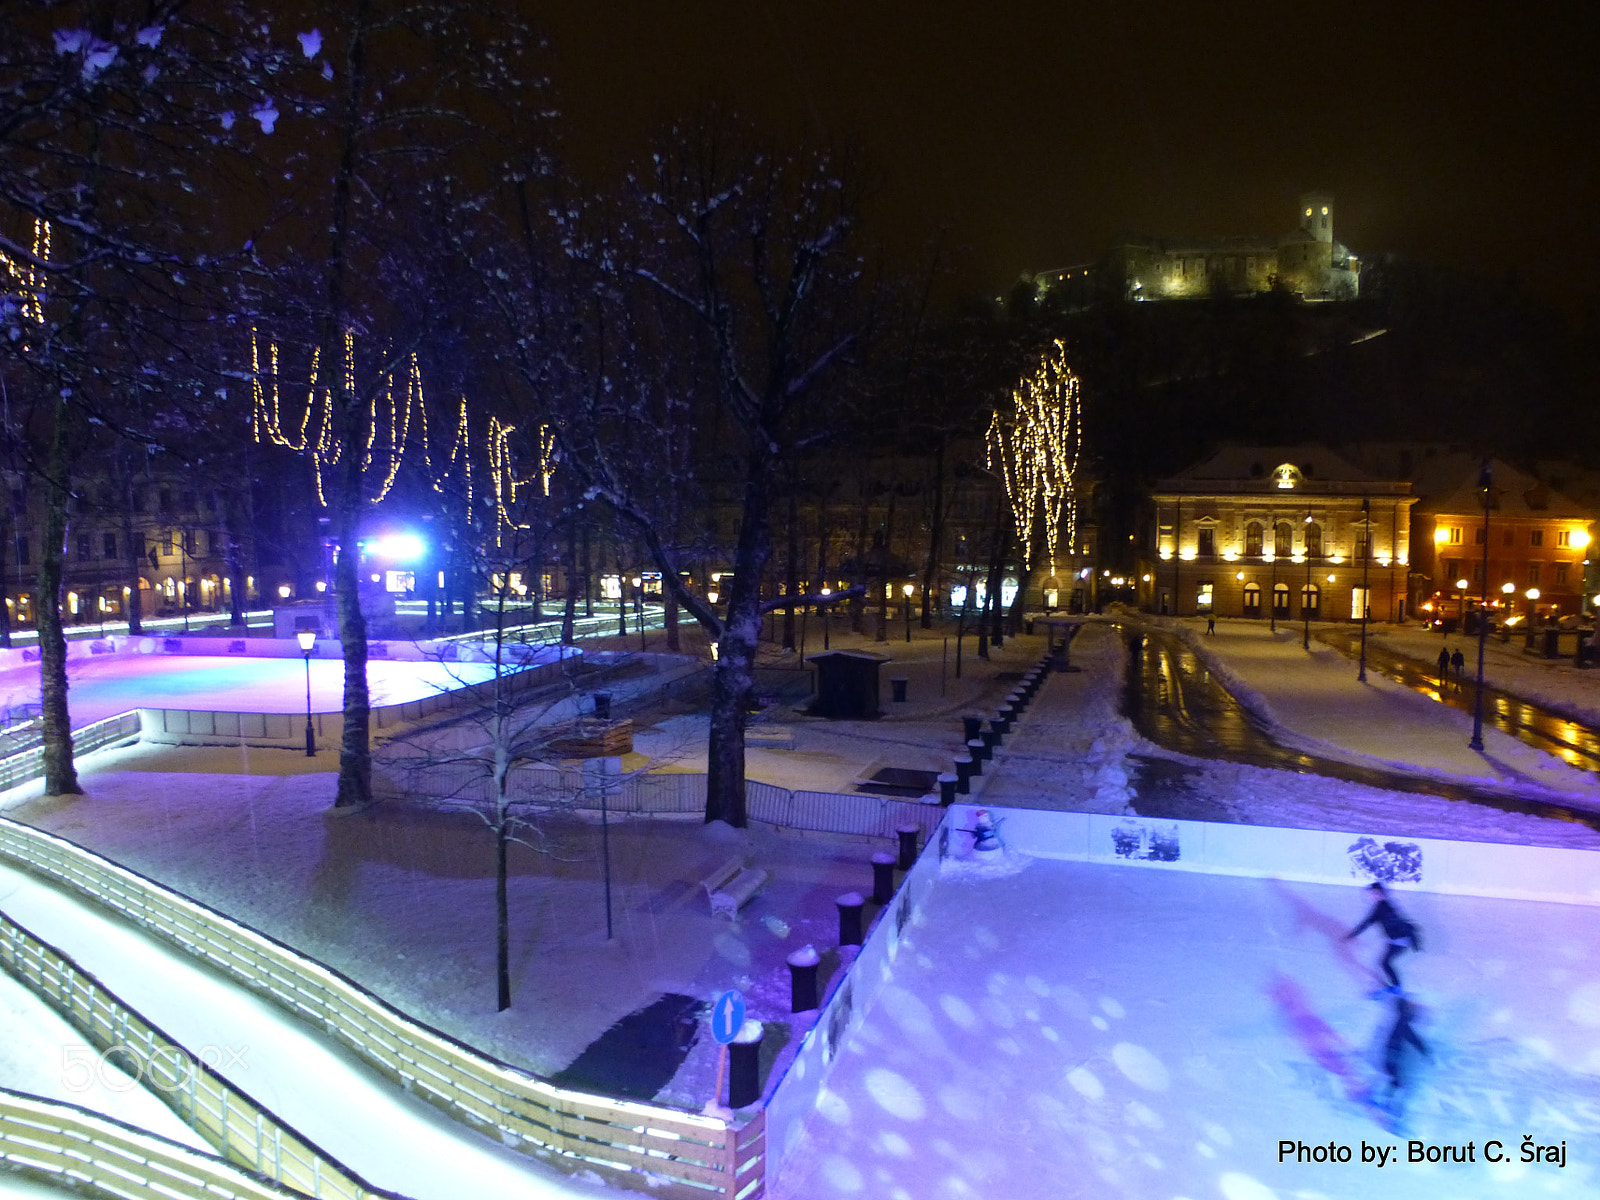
<point>1305,596</point>
<point>1272,623</point>
<point>308,641</point>
<point>827,621</point>
<point>1486,485</point>
<point>906,592</point>
<point>638,609</point>
<point>1533,601</point>
<point>1366,557</point>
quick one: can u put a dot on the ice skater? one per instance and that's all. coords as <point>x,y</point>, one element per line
<point>1402,934</point>
<point>1401,1035</point>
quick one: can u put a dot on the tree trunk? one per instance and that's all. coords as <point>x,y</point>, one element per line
<point>881,634</point>
<point>930,570</point>
<point>502,914</point>
<point>236,574</point>
<point>858,604</point>
<point>60,776</point>
<point>570,568</point>
<point>791,578</point>
<point>355,748</point>
<point>6,529</point>
<point>997,573</point>
<point>732,681</point>
<point>669,618</point>
<point>588,576</point>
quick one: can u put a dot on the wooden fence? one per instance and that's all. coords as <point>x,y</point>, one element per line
<point>240,1129</point>
<point>679,1153</point>
<point>86,1154</point>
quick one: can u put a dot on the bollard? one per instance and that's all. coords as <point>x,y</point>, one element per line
<point>908,845</point>
<point>991,739</point>
<point>964,767</point>
<point>850,905</point>
<point>1007,716</point>
<point>803,979</point>
<point>882,879</point>
<point>898,687</point>
<point>947,788</point>
<point>980,754</point>
<point>744,1066</point>
<point>972,725</point>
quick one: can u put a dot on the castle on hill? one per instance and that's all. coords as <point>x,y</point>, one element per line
<point>1305,262</point>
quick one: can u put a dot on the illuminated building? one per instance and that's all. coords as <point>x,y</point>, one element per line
<point>1305,262</point>
<point>1272,532</point>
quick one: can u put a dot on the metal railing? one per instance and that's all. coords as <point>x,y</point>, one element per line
<point>27,764</point>
<point>649,794</point>
<point>688,1154</point>
<point>241,1130</point>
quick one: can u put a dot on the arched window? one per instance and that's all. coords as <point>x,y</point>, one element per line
<point>1252,540</point>
<point>1310,600</point>
<point>1283,540</point>
<point>1280,599</point>
<point>1252,599</point>
<point>1313,540</point>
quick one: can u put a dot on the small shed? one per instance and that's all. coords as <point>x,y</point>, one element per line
<point>847,684</point>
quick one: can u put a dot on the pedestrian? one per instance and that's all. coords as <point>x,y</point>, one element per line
<point>1444,664</point>
<point>1401,1035</point>
<point>1459,662</point>
<point>1402,934</point>
<point>1211,624</point>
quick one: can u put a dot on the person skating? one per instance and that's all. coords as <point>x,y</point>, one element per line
<point>1401,1035</point>
<point>1402,934</point>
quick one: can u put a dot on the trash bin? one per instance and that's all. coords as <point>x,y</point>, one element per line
<point>602,706</point>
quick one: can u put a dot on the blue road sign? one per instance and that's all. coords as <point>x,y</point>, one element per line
<point>727,1016</point>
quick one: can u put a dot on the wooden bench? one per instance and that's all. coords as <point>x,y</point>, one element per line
<point>731,886</point>
<point>769,737</point>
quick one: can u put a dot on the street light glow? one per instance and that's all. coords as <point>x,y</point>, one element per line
<point>1508,588</point>
<point>1532,593</point>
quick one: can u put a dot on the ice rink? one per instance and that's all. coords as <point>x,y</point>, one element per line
<point>103,686</point>
<point>1095,1031</point>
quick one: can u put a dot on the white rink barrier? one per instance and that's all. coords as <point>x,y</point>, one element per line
<point>82,1153</point>
<point>1489,869</point>
<point>851,992</point>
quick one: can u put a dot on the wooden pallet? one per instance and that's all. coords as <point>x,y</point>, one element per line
<point>589,738</point>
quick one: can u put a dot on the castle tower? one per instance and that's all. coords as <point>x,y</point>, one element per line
<point>1316,215</point>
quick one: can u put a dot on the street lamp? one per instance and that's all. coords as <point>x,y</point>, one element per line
<point>906,592</point>
<point>827,620</point>
<point>1533,598</point>
<point>1461,602</point>
<point>1305,596</point>
<point>1486,486</point>
<point>1366,558</point>
<point>308,641</point>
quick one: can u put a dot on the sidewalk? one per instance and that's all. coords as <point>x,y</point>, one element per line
<point>1554,683</point>
<point>1316,704</point>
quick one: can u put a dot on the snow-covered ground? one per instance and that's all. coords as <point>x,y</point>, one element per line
<point>1078,1030</point>
<point>103,686</point>
<point>1314,702</point>
<point>1555,683</point>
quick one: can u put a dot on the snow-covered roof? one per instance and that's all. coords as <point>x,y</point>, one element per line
<point>1448,483</point>
<point>1232,463</point>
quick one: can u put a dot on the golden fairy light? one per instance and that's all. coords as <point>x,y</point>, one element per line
<point>28,276</point>
<point>1034,448</point>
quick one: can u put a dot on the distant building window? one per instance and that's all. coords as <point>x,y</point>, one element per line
<point>1310,600</point>
<point>1480,535</point>
<point>1533,572</point>
<point>1283,544</point>
<point>166,500</point>
<point>110,546</point>
<point>22,551</point>
<point>1208,542</point>
<point>1280,599</point>
<point>1455,535</point>
<point>1561,572</point>
<point>83,547</point>
<point>1508,537</point>
<point>1535,537</point>
<point>1252,599</point>
<point>1452,569</point>
<point>1203,597</point>
<point>1313,540</point>
<point>1564,538</point>
<point>138,545</point>
<point>1252,539</point>
<point>1361,544</point>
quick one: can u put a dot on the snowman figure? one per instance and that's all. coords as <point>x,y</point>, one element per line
<point>985,835</point>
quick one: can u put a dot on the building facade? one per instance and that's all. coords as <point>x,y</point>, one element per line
<point>1307,262</point>
<point>1279,533</point>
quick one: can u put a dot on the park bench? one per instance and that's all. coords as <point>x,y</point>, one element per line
<point>731,886</point>
<point>769,737</point>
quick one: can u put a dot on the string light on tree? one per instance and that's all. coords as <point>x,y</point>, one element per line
<point>29,276</point>
<point>1034,447</point>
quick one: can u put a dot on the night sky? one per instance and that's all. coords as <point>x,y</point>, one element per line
<point>1033,134</point>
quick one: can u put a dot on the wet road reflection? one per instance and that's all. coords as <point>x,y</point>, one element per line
<point>1523,720</point>
<point>1173,700</point>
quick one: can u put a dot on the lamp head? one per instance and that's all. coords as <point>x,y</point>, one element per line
<point>307,639</point>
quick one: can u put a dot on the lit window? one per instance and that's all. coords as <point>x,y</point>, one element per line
<point>1203,597</point>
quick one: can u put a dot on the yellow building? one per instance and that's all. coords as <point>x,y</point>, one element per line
<point>1279,533</point>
